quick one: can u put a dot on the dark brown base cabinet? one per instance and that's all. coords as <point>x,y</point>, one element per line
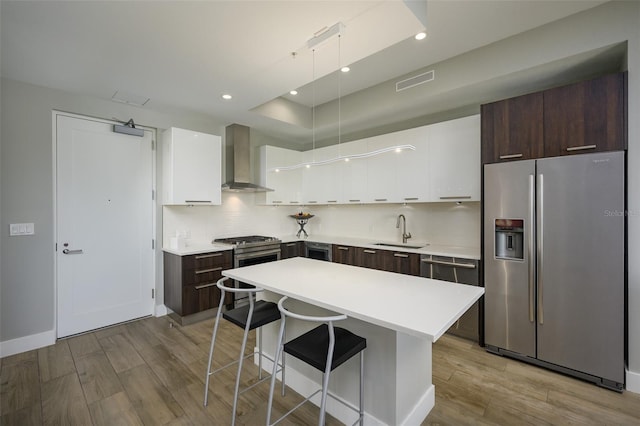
<point>589,116</point>
<point>292,249</point>
<point>384,260</point>
<point>190,282</point>
<point>343,254</point>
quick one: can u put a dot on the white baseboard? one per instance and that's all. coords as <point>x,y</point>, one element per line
<point>27,343</point>
<point>160,311</point>
<point>633,381</point>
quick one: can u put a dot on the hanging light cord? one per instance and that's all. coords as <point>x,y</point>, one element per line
<point>313,107</point>
<point>339,92</point>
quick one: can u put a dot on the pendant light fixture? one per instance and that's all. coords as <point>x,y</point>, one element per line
<point>321,38</point>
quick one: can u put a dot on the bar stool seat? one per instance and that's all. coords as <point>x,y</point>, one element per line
<point>325,348</point>
<point>248,317</point>
<point>312,347</point>
<point>263,313</point>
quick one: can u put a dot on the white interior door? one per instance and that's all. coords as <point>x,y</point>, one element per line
<point>104,215</point>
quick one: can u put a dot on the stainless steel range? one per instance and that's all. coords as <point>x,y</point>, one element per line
<point>251,250</point>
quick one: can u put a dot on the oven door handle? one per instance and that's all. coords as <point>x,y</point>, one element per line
<point>256,254</point>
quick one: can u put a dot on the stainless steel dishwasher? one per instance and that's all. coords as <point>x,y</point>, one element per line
<point>457,270</point>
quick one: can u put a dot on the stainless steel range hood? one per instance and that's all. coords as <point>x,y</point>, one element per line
<point>237,138</point>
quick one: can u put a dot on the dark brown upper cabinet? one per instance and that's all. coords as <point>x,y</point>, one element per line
<point>588,116</point>
<point>512,129</point>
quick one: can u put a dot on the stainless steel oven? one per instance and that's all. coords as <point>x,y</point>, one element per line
<point>251,250</point>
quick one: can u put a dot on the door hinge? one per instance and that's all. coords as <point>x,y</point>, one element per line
<point>153,244</point>
<point>56,246</point>
<point>153,145</point>
<point>153,293</point>
<point>153,194</point>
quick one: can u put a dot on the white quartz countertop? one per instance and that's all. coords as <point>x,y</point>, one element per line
<point>413,305</point>
<point>196,247</point>
<point>424,247</point>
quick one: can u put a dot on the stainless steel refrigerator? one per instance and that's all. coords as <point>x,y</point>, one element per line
<point>554,263</point>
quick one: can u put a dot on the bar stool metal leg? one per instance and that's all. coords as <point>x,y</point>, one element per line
<point>361,388</point>
<point>241,359</point>
<point>213,341</point>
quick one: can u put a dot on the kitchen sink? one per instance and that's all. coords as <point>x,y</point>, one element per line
<point>400,245</point>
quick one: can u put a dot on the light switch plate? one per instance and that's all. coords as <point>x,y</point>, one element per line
<point>16,229</point>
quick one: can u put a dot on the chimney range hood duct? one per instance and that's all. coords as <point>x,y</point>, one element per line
<point>237,137</point>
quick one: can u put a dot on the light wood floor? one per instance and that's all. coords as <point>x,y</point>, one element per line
<point>151,372</point>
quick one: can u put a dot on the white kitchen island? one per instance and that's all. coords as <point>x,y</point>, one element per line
<point>399,315</point>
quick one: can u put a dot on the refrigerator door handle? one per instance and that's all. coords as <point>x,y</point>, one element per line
<point>540,231</point>
<point>530,254</point>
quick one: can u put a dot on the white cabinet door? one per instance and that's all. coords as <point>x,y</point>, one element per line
<point>412,167</point>
<point>454,159</point>
<point>286,184</point>
<point>353,174</point>
<point>321,183</point>
<point>382,181</point>
<point>191,167</point>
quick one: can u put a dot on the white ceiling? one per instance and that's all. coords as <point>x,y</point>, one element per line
<point>187,54</point>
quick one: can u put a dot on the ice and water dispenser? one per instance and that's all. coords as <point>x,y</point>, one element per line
<point>509,239</point>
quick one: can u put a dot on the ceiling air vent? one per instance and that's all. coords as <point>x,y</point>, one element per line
<point>415,80</point>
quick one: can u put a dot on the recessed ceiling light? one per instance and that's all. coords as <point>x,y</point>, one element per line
<point>226,96</point>
<point>293,92</point>
<point>345,69</point>
<point>421,36</point>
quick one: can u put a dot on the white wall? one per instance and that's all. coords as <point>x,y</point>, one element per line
<point>27,287</point>
<point>436,223</point>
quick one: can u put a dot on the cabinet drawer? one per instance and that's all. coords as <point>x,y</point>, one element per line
<point>202,276</point>
<point>200,298</point>
<point>206,260</point>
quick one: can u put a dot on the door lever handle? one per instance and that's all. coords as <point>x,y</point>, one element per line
<point>67,251</point>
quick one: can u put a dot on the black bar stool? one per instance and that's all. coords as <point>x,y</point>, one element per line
<point>251,316</point>
<point>325,348</point>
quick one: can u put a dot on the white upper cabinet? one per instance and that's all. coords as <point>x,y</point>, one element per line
<point>445,166</point>
<point>286,184</point>
<point>321,183</point>
<point>413,166</point>
<point>454,160</point>
<point>382,184</point>
<point>353,174</point>
<point>192,167</point>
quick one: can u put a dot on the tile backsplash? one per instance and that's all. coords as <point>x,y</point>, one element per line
<point>435,223</point>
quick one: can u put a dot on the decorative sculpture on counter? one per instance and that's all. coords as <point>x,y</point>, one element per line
<point>302,219</point>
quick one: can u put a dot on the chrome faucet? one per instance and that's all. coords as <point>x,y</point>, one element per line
<point>405,236</point>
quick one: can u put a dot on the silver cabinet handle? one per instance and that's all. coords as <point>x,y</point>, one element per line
<point>455,197</point>
<point>369,251</point>
<point>196,201</point>
<point>380,199</point>
<point>540,245</point>
<point>343,248</point>
<point>206,256</point>
<point>354,201</point>
<point>580,148</point>
<point>204,271</point>
<point>312,202</point>
<point>200,287</point>
<point>294,202</point>
<point>454,264</point>
<point>332,201</point>
<point>530,249</point>
<point>410,198</point>
<point>291,244</point>
<point>67,251</point>
<point>506,157</point>
<point>400,255</point>
<point>277,202</point>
